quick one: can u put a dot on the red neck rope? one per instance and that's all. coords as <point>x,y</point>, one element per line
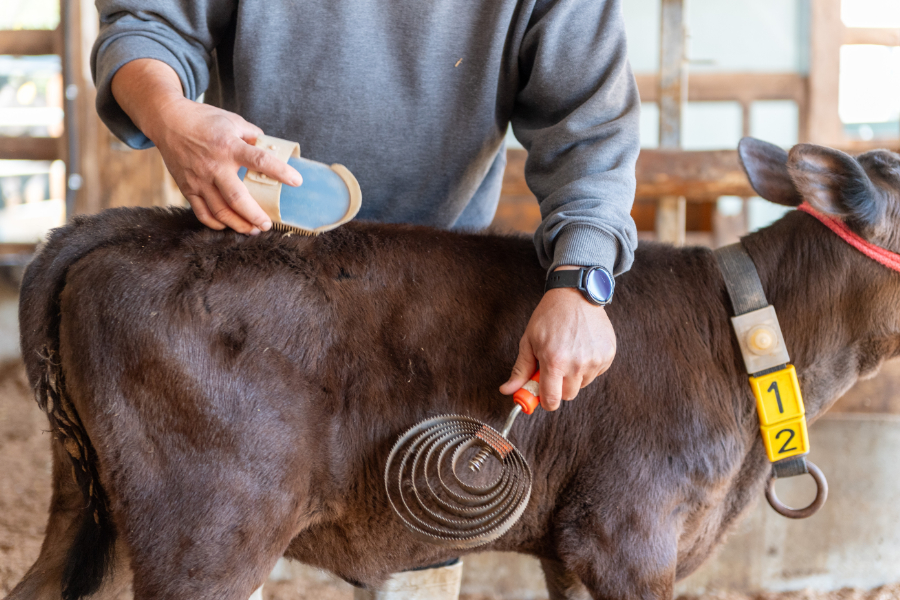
<point>889,259</point>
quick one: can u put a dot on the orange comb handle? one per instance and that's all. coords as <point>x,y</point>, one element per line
<point>529,396</point>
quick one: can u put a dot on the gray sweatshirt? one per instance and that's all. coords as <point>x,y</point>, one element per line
<point>414,97</point>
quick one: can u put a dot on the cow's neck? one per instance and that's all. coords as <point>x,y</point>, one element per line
<point>825,294</point>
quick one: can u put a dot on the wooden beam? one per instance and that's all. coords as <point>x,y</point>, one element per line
<point>514,175</point>
<point>16,255</point>
<point>29,42</point>
<point>672,73</point>
<point>860,146</point>
<point>702,176</point>
<point>31,148</point>
<point>95,142</point>
<point>878,36</point>
<point>70,24</point>
<point>826,29</point>
<point>697,175</point>
<point>6,248</point>
<point>738,87</point>
<point>673,94</point>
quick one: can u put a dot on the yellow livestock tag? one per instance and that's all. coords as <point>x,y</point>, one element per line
<point>781,413</point>
<point>785,440</point>
<point>778,396</point>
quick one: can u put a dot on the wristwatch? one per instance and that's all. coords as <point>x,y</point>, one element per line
<point>596,283</point>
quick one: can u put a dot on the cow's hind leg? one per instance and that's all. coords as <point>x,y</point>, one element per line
<point>44,581</point>
<point>208,531</point>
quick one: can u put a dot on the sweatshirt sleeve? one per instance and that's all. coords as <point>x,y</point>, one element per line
<point>180,33</point>
<point>577,113</point>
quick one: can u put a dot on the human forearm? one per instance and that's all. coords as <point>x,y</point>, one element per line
<point>180,33</point>
<point>578,116</point>
<point>145,88</point>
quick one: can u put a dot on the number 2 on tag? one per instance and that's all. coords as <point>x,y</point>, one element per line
<point>786,439</point>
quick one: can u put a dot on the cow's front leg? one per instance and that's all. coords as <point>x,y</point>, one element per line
<point>631,575</point>
<point>563,584</point>
<point>627,560</point>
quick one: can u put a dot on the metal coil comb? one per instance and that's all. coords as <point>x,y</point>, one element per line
<point>443,506</point>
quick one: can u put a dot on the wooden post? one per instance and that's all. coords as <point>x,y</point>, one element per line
<point>69,24</point>
<point>83,17</point>
<point>670,213</point>
<point>826,33</point>
<point>111,173</point>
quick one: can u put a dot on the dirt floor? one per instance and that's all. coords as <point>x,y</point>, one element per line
<point>25,495</point>
<point>24,475</point>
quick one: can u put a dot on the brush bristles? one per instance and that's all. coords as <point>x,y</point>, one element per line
<point>285,228</point>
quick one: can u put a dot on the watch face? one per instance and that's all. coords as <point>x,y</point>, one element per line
<point>599,285</point>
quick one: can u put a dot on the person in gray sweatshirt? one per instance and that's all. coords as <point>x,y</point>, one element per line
<point>414,97</point>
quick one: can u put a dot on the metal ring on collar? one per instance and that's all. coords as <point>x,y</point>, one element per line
<point>799,513</point>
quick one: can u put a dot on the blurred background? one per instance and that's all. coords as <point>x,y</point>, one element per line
<point>709,72</point>
<point>787,71</point>
<point>713,71</point>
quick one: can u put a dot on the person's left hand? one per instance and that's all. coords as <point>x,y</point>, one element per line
<point>573,341</point>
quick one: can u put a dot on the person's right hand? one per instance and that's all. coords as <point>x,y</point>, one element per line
<point>202,146</point>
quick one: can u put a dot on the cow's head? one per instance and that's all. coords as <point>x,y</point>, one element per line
<point>863,191</point>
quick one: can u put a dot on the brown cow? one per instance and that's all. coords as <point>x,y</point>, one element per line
<point>219,401</point>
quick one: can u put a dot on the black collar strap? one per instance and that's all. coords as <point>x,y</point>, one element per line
<point>747,296</point>
<point>741,279</point>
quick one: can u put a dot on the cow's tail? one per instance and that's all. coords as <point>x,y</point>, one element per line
<point>90,557</point>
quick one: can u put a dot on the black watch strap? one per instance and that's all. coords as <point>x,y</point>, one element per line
<point>595,283</point>
<point>569,278</point>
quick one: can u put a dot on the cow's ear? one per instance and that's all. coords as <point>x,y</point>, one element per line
<point>834,183</point>
<point>766,167</point>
